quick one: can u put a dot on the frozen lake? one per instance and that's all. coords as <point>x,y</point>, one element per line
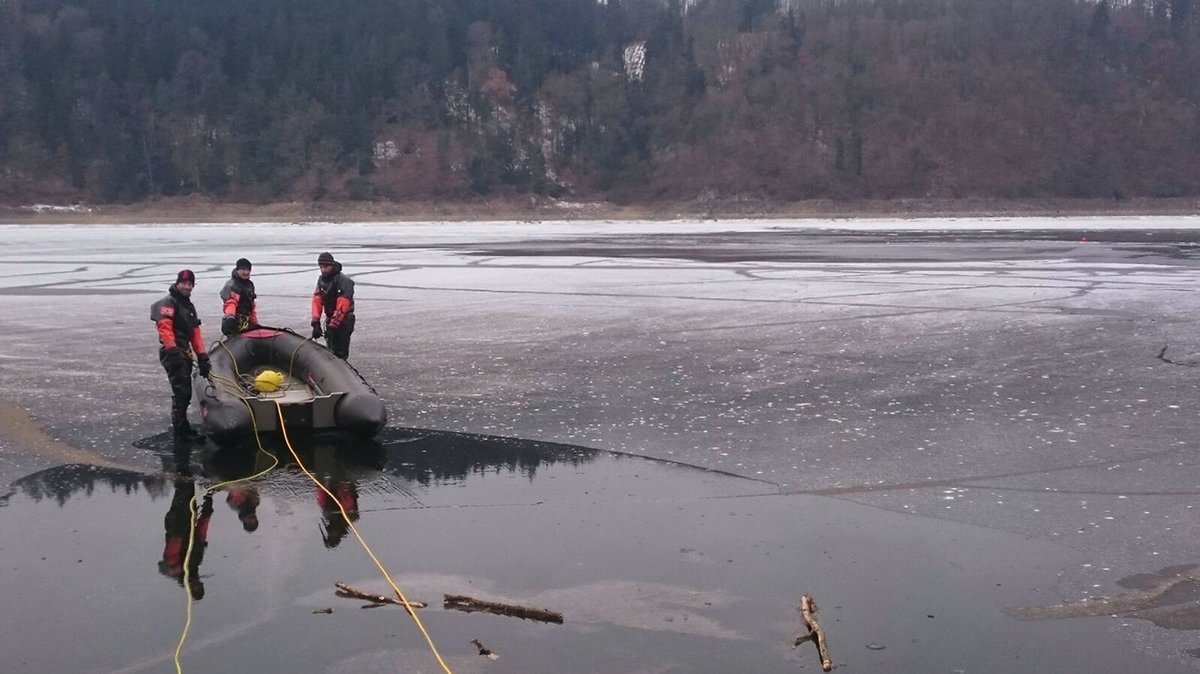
<point>983,421</point>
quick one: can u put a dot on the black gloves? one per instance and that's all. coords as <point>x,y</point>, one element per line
<point>316,326</point>
<point>203,365</point>
<point>229,325</point>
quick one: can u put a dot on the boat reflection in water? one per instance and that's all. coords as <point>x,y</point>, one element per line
<point>195,476</point>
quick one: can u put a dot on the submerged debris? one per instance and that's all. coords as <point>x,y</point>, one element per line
<point>326,611</point>
<point>460,602</point>
<point>490,654</point>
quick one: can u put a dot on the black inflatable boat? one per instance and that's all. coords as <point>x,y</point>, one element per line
<point>259,369</point>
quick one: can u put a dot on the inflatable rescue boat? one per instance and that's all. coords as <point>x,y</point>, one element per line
<point>259,373</point>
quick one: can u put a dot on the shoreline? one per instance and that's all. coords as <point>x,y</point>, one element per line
<point>190,210</point>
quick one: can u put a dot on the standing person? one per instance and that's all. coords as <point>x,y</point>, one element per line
<point>179,338</point>
<point>334,297</point>
<point>240,313</point>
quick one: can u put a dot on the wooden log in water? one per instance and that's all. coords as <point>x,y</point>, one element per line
<point>808,610</point>
<point>344,590</point>
<point>460,602</point>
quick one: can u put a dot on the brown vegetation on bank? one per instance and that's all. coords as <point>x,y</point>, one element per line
<point>525,209</point>
<point>713,107</point>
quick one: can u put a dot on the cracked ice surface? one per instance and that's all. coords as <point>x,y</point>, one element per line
<point>982,374</point>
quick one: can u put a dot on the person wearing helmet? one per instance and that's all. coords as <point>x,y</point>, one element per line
<point>240,313</point>
<point>334,297</point>
<point>180,341</point>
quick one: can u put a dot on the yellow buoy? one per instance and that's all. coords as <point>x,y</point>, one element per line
<point>268,381</point>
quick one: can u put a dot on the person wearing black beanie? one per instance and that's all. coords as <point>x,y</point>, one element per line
<point>179,337</point>
<point>333,297</point>
<point>239,311</point>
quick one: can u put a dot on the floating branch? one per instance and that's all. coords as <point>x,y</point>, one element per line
<point>460,602</point>
<point>808,610</point>
<point>344,590</point>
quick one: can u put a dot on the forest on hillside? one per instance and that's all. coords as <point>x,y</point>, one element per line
<point>624,100</point>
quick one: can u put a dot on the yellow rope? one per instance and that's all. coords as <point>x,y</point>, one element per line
<point>346,516</point>
<point>233,386</point>
<point>187,558</point>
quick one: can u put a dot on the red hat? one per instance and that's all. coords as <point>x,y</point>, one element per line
<point>185,275</point>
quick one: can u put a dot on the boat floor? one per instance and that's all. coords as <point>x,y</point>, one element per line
<point>292,392</point>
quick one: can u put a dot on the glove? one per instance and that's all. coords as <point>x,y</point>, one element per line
<point>229,325</point>
<point>316,326</point>
<point>335,321</point>
<point>203,365</point>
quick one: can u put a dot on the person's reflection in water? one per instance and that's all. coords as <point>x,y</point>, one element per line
<point>178,525</point>
<point>333,525</point>
<point>329,453</point>
<point>244,499</point>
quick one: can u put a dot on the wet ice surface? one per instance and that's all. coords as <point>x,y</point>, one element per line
<point>996,378</point>
<point>655,567</point>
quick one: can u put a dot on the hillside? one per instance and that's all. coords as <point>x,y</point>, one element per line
<point>636,103</point>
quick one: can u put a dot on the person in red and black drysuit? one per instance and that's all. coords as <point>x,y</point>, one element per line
<point>334,297</point>
<point>239,313</point>
<point>183,537</point>
<point>180,340</point>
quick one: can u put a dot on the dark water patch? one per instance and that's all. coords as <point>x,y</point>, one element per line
<point>1168,598</point>
<point>426,456</point>
<point>655,567</point>
<point>1169,249</point>
<point>60,483</point>
<point>1148,582</point>
<point>716,248</point>
<point>848,246</point>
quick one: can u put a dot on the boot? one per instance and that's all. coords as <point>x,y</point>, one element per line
<point>183,429</point>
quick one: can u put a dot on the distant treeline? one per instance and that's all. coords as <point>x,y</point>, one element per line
<point>630,100</point>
